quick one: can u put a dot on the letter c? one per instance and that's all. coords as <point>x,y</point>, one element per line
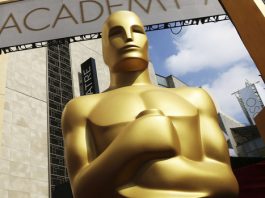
<point>27,16</point>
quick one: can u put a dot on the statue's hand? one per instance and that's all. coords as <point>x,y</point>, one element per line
<point>152,135</point>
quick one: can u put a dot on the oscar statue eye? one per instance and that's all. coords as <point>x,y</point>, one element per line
<point>138,29</point>
<point>115,31</point>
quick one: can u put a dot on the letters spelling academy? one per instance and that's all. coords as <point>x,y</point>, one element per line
<point>65,13</point>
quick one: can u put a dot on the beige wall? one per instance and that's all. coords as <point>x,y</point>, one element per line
<point>3,60</point>
<point>24,148</point>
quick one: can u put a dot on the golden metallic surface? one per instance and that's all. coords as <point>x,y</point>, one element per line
<point>139,140</point>
<point>8,1</point>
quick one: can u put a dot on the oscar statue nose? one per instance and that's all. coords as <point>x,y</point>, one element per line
<point>128,35</point>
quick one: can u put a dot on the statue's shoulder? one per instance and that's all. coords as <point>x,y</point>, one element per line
<point>83,103</point>
<point>197,96</point>
<point>79,108</point>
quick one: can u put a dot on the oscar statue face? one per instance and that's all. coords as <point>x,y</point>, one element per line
<point>125,45</point>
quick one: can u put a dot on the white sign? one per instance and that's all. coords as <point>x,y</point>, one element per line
<point>32,21</point>
<point>251,101</point>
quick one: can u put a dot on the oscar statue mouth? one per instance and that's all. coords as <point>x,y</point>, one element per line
<point>129,47</point>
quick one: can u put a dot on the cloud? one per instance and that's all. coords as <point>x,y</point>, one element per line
<point>206,46</point>
<point>229,82</point>
<point>215,46</point>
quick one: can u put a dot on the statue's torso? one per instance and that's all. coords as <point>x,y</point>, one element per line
<point>116,109</point>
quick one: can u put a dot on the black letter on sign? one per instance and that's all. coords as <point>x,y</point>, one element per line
<point>70,15</point>
<point>110,6</point>
<point>31,28</point>
<point>11,26</point>
<point>82,11</point>
<point>89,77</point>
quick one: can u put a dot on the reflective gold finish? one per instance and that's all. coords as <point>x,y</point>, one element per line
<point>8,1</point>
<point>142,141</point>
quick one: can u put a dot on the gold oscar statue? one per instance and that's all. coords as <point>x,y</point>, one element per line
<point>138,140</point>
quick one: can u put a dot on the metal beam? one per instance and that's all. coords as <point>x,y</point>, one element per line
<point>250,24</point>
<point>155,27</point>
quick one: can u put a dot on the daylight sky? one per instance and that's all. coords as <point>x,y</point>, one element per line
<point>211,56</point>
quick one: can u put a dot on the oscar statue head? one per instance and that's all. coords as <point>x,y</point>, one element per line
<point>124,42</point>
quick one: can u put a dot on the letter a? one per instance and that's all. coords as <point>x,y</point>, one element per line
<point>15,24</point>
<point>70,15</point>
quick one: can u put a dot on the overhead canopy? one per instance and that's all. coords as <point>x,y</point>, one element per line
<point>33,21</point>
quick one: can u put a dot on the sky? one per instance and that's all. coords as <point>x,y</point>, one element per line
<point>211,56</point>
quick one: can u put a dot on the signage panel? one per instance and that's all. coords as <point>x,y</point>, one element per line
<point>251,101</point>
<point>30,21</point>
<point>89,77</point>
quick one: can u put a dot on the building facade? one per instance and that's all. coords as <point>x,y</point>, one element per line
<point>24,157</point>
<point>248,141</point>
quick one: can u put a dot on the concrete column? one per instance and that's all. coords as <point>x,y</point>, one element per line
<point>3,60</point>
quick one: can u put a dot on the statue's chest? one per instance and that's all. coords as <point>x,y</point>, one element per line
<point>122,107</point>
